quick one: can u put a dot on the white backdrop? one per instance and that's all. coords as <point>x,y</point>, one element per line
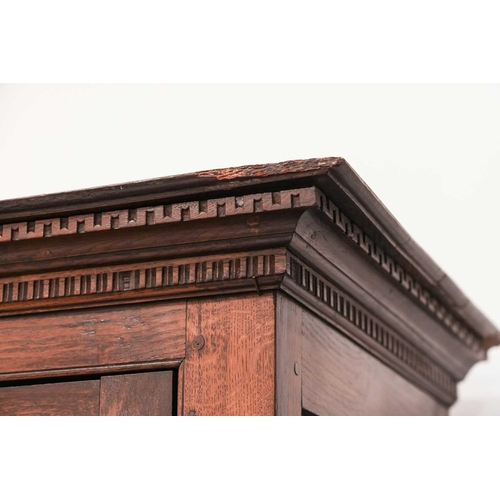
<point>430,152</point>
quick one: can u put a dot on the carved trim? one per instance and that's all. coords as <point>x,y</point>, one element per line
<point>342,305</point>
<point>238,205</point>
<point>159,214</point>
<point>399,274</point>
<point>160,274</point>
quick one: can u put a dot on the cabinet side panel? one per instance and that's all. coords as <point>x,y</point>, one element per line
<point>114,335</point>
<point>340,378</point>
<point>230,356</point>
<point>288,356</point>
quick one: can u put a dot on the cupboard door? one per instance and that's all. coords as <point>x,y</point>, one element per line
<point>145,393</point>
<point>63,398</point>
<point>148,393</point>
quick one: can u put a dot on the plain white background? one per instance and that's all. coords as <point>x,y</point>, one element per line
<point>430,152</point>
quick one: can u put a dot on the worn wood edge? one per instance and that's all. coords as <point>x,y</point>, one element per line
<point>181,187</point>
<point>92,370</point>
<point>322,310</point>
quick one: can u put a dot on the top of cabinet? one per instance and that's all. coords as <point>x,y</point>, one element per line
<point>339,192</point>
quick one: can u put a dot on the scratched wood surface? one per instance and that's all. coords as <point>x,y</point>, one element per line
<point>90,338</point>
<point>340,378</point>
<point>288,356</point>
<point>64,398</point>
<point>135,394</point>
<point>230,356</point>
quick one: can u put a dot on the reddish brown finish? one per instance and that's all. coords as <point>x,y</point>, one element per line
<point>64,398</point>
<point>148,394</point>
<point>93,337</point>
<point>229,366</point>
<point>271,287</point>
<point>273,169</point>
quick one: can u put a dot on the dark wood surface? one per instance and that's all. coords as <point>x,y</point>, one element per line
<point>377,290</point>
<point>338,182</point>
<point>288,356</point>
<point>137,394</point>
<point>91,338</point>
<point>58,399</point>
<point>131,394</point>
<point>230,356</point>
<point>349,316</point>
<point>340,378</point>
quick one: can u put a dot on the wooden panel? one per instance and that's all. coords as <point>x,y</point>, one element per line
<point>340,378</point>
<point>93,337</point>
<point>288,356</point>
<point>145,394</point>
<point>65,398</point>
<point>230,356</point>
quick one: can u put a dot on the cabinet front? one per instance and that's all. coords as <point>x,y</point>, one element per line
<point>103,361</point>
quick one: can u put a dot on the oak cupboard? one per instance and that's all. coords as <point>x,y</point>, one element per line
<point>279,289</point>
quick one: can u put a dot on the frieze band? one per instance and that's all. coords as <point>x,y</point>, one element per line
<point>136,277</point>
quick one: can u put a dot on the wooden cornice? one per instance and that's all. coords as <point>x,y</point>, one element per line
<point>248,229</point>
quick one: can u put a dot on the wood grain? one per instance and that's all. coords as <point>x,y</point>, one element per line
<point>288,356</point>
<point>340,378</point>
<point>230,356</point>
<point>135,394</point>
<point>65,398</point>
<point>90,338</point>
